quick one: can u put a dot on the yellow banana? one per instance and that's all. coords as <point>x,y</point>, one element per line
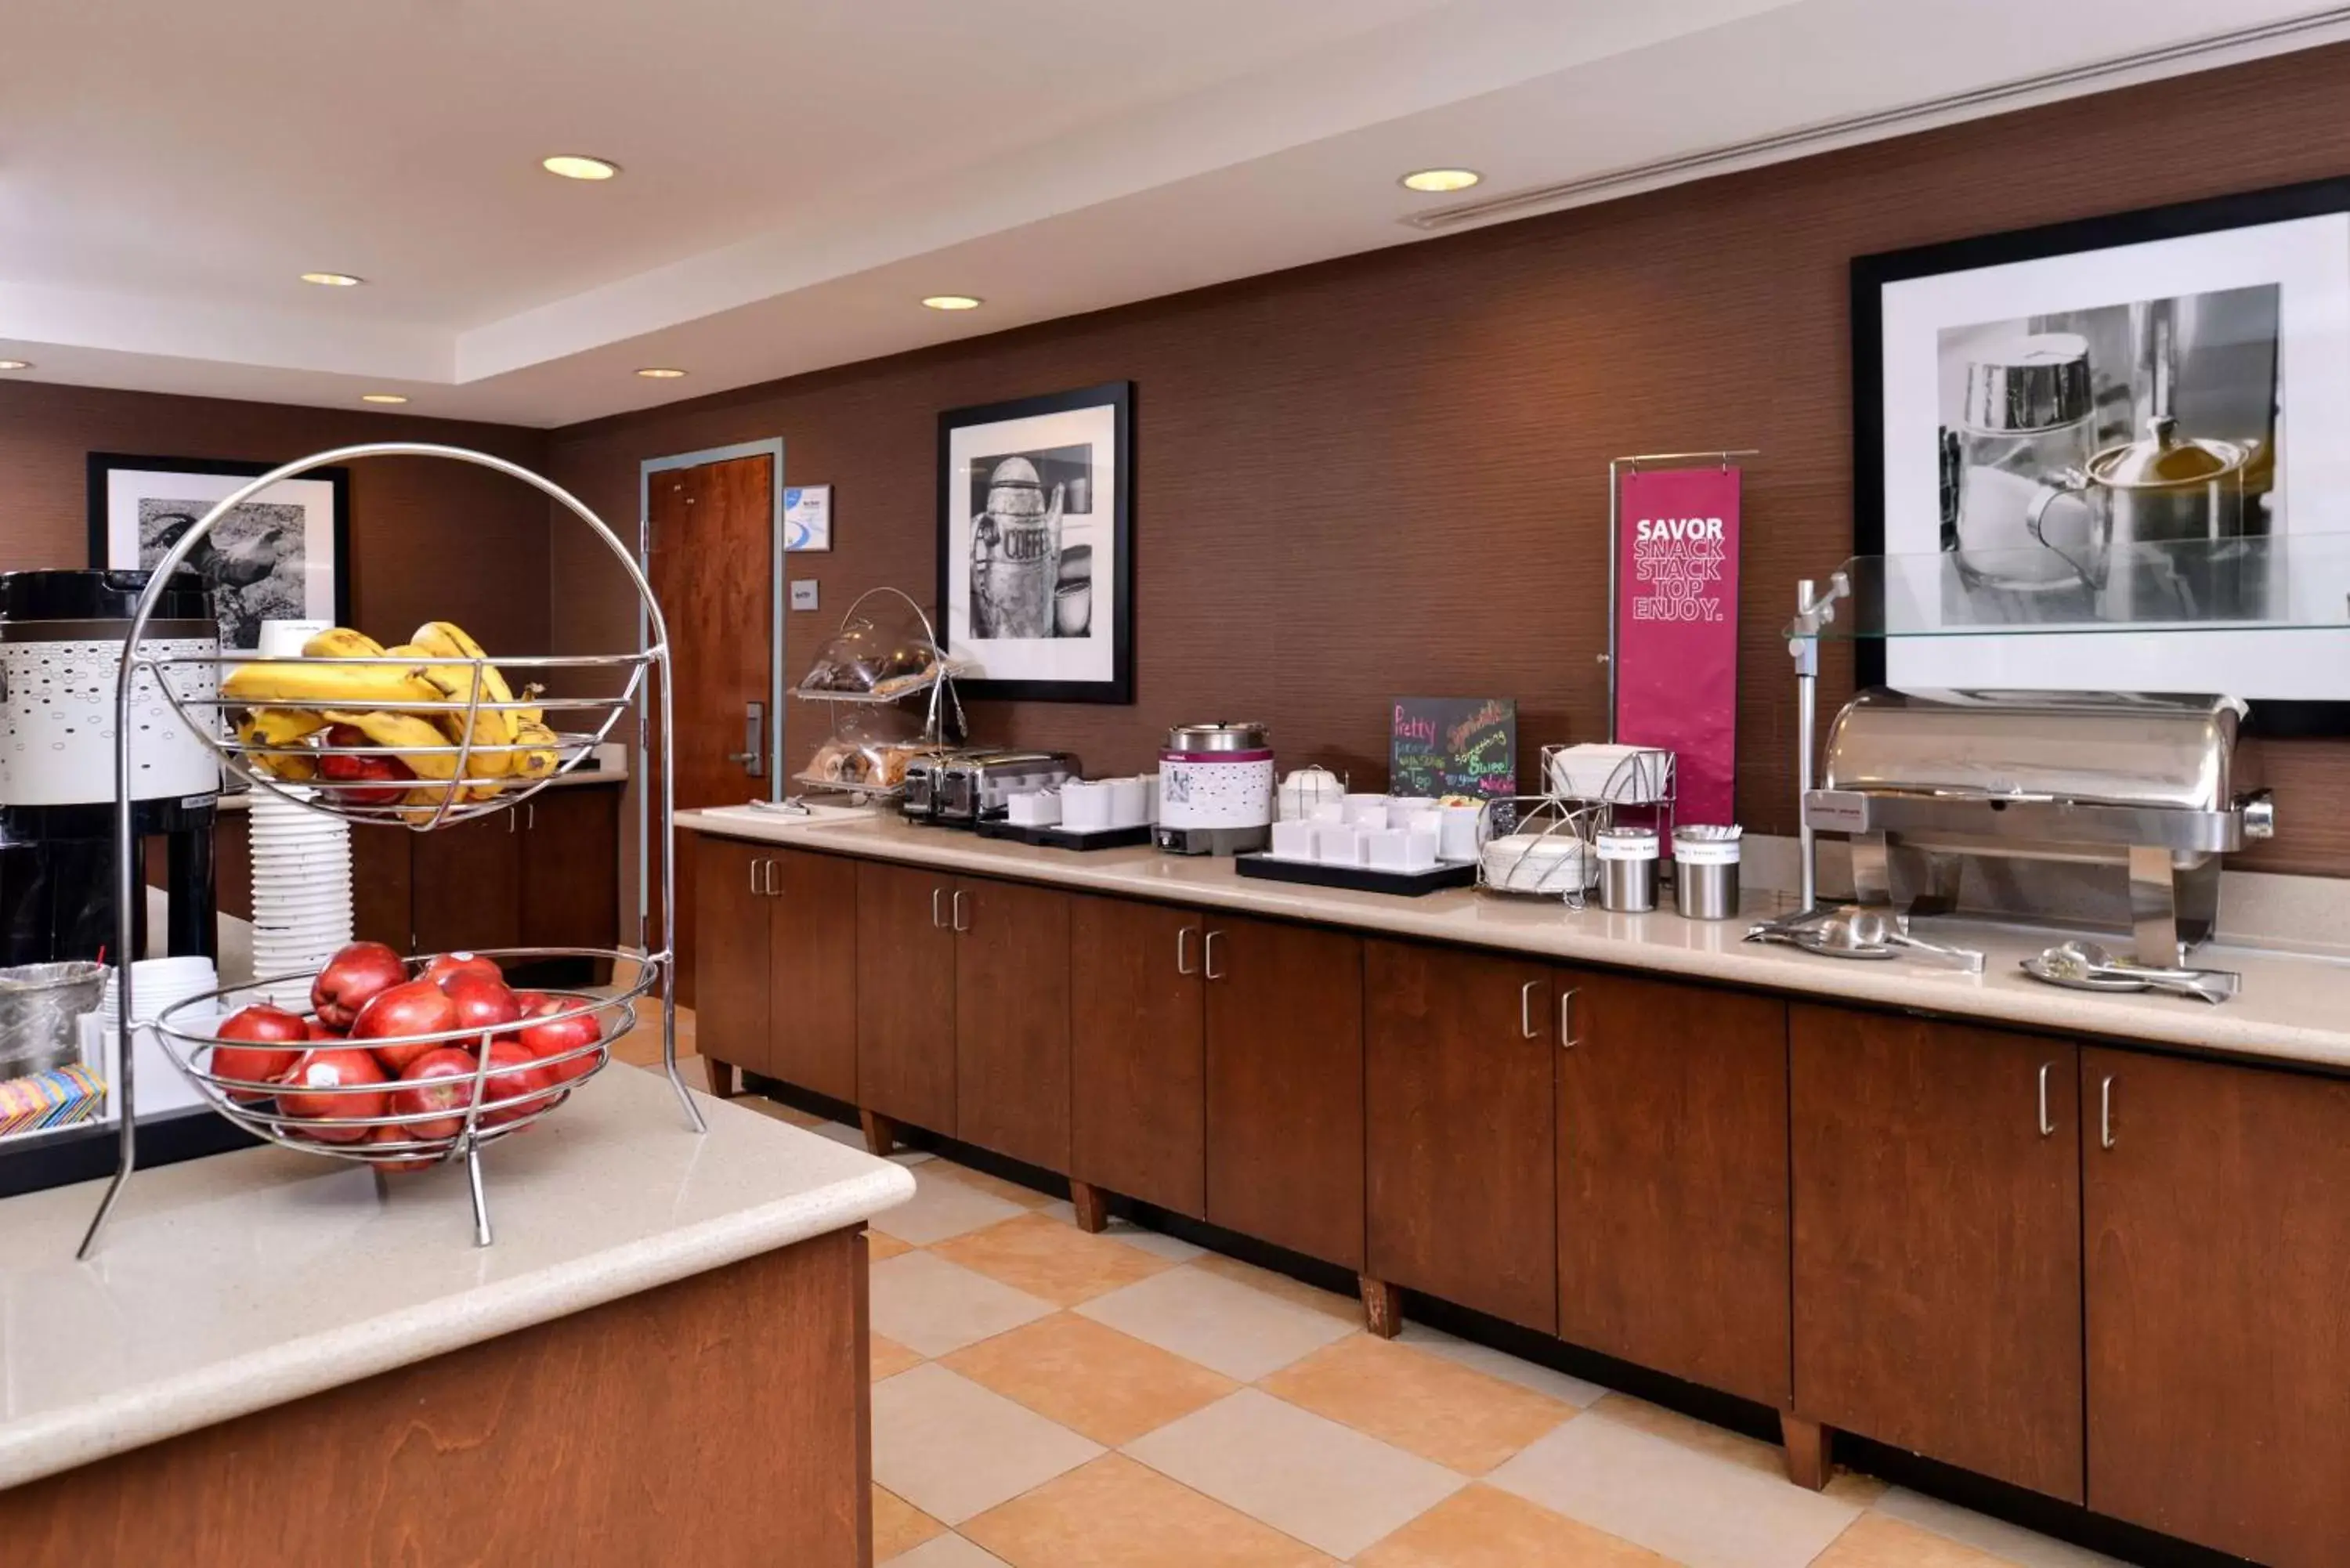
<point>424,804</point>
<point>342,642</point>
<point>539,761</point>
<point>274,727</point>
<point>415,741</point>
<point>447,640</point>
<point>492,727</point>
<point>536,715</point>
<point>318,680</point>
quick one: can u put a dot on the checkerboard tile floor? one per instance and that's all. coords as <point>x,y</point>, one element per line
<point>1044,1399</point>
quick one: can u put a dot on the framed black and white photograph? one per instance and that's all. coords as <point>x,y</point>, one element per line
<point>2122,421</point>
<point>278,557</point>
<point>1036,545</point>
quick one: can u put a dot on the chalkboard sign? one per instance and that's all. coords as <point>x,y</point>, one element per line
<point>1453,745</point>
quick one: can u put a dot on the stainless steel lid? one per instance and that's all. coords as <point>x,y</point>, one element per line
<point>1231,735</point>
<point>2034,383</point>
<point>2162,459</point>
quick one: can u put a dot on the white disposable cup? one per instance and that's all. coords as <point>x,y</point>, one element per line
<point>284,638</point>
<point>1085,806</point>
<point>1456,828</point>
<point>1294,840</point>
<point>1361,809</point>
<point>1129,803</point>
<point>1339,845</point>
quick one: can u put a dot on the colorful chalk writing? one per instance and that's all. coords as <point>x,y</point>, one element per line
<point>1453,745</point>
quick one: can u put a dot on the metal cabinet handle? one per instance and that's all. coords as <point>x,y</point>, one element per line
<point>530,822</point>
<point>769,881</point>
<point>752,866</point>
<point>2105,1113</point>
<point>1208,953</point>
<point>938,921</point>
<point>2047,1128</point>
<point>1526,1009</point>
<point>1566,1040</point>
<point>960,926</point>
<point>513,819</point>
<point>1184,964</point>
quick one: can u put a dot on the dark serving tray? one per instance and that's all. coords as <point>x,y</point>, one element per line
<point>1360,878</point>
<point>1065,838</point>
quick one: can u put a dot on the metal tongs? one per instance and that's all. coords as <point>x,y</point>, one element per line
<point>2083,960</point>
<point>1853,930</point>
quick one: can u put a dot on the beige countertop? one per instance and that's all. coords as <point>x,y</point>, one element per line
<point>229,1285</point>
<point>2293,1007</point>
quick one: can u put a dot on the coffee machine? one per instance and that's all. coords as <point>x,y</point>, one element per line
<point>61,635</point>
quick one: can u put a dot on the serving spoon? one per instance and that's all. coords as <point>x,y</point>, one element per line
<point>1855,929</point>
<point>2081,958</point>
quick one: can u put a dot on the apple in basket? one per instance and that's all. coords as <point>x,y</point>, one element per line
<point>558,1036</point>
<point>445,970</point>
<point>266,1024</point>
<point>482,1005</point>
<point>388,1132</point>
<point>411,1007</point>
<point>437,1088</point>
<point>514,1070</point>
<point>352,978</point>
<point>334,1082</point>
<point>343,767</point>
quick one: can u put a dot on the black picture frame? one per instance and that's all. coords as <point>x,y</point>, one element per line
<point>1118,398</point>
<point>103,465</point>
<point>1871,275</point>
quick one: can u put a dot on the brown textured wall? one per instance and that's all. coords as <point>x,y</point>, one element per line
<point>429,540</point>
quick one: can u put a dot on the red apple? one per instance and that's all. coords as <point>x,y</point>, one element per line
<point>352,978</point>
<point>410,1008</point>
<point>390,1134</point>
<point>320,1031</point>
<point>333,1083</point>
<point>273,1025</point>
<point>531,1001</point>
<point>483,1004</point>
<point>514,1071</point>
<point>444,970</point>
<point>438,1084</point>
<point>549,1039</point>
<point>343,767</point>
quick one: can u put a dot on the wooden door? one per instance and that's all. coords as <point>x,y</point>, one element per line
<point>1138,1052</point>
<point>1672,1180</point>
<point>733,985</point>
<point>1284,1010</point>
<point>905,995</point>
<point>571,867</point>
<point>813,927</point>
<point>1937,1240</point>
<point>466,884</point>
<point>2218,1229</point>
<point>710,566</point>
<point>1457,1129</point>
<point>1012,1019</point>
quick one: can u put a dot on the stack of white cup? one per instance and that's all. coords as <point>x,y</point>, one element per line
<point>301,891</point>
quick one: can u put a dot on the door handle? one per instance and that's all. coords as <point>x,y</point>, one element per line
<point>2047,1128</point>
<point>960,926</point>
<point>768,881</point>
<point>2105,1113</point>
<point>752,756</point>
<point>1208,955</point>
<point>1566,1040</point>
<point>1527,1010</point>
<point>1183,965</point>
<point>938,921</point>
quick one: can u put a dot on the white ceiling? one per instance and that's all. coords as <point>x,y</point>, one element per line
<point>799,174</point>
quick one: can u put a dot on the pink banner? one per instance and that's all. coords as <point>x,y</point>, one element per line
<point>1677,628</point>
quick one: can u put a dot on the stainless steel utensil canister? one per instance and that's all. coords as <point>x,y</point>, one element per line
<point>39,1003</point>
<point>1705,871</point>
<point>1628,869</point>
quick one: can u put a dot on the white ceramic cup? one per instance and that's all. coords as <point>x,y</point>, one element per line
<point>1085,806</point>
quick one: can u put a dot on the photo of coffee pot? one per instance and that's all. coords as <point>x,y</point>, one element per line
<point>1016,554</point>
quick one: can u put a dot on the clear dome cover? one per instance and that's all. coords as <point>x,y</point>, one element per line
<point>884,648</point>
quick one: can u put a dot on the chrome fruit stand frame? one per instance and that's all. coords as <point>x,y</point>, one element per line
<point>469,788</point>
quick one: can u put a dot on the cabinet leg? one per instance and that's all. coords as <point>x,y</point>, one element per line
<point>1382,1307</point>
<point>1092,1205</point>
<point>721,1077</point>
<point>1810,1460</point>
<point>881,1132</point>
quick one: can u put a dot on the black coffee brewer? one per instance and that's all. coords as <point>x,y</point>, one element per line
<point>60,652</point>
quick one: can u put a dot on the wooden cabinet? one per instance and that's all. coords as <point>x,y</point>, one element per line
<point>570,881</point>
<point>812,960</point>
<point>545,874</point>
<point>383,872</point>
<point>1138,1052</point>
<point>2218,1231</point>
<point>905,995</point>
<point>1461,1168</point>
<point>1672,1180</point>
<point>1012,1019</point>
<point>1284,1085</point>
<point>1936,1172</point>
<point>467,884</point>
<point>732,988</point>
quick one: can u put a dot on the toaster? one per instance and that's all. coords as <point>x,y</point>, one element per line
<point>972,788</point>
<point>925,775</point>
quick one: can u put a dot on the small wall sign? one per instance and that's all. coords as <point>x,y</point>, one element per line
<point>807,517</point>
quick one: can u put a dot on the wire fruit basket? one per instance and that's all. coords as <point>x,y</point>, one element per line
<point>469,744</point>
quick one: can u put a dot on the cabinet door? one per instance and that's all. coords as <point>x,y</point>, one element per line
<point>466,884</point>
<point>1938,1242</point>
<point>1012,1019</point>
<point>383,890</point>
<point>2218,1269</point>
<point>730,984</point>
<point>1138,1052</point>
<point>570,846</point>
<point>1672,1180</point>
<point>1285,1085</point>
<point>905,995</point>
<point>1461,1168</point>
<point>813,927</point>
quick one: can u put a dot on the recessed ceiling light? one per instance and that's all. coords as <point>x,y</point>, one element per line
<point>573,166</point>
<point>661,373</point>
<point>1436,181</point>
<point>383,397</point>
<point>953,302</point>
<point>15,364</point>
<point>332,279</point>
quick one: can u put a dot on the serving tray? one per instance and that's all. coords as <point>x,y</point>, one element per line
<point>1056,837</point>
<point>1358,878</point>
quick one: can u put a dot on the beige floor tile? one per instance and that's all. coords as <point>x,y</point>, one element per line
<point>1092,1379</point>
<point>1234,1329</point>
<point>1114,1513</point>
<point>1703,1508</point>
<point>954,1449</point>
<point>1877,1541</point>
<point>948,1551</point>
<point>1761,1458</point>
<point>1501,1363</point>
<point>2008,1543</point>
<point>1328,1485</point>
<point>941,1207</point>
<point>993,1186</point>
<point>898,1525</point>
<point>1348,1309</point>
<point>880,1246</point>
<point>1481,1528</point>
<point>889,1357</point>
<point>1158,1244</point>
<point>1439,1409</point>
<point>1058,1263</point>
<point>931,1306</point>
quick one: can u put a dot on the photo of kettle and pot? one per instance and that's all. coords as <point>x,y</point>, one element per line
<point>1031,576</point>
<point>2114,463</point>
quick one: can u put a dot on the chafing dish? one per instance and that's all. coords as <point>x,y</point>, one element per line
<point>975,786</point>
<point>1920,780</point>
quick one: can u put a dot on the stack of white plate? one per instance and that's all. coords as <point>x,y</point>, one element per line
<point>301,891</point>
<point>1554,864</point>
<point>156,984</point>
